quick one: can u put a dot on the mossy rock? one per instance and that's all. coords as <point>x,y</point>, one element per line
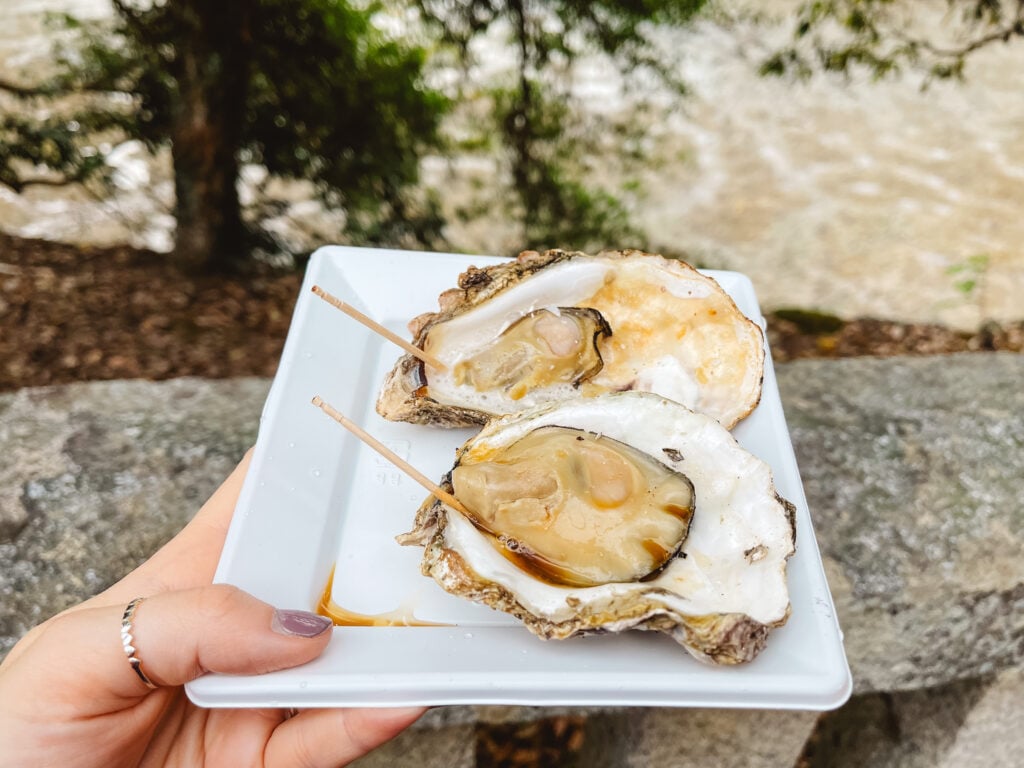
<point>811,320</point>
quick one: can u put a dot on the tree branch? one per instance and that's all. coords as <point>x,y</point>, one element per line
<point>1003,34</point>
<point>128,11</point>
<point>52,91</point>
<point>46,182</point>
<point>19,185</point>
<point>23,91</point>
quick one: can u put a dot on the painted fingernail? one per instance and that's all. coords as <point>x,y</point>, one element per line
<point>299,623</point>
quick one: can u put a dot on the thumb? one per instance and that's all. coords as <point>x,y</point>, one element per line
<point>181,635</point>
<point>178,636</point>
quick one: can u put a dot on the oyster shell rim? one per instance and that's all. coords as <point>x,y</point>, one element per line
<point>400,397</point>
<point>744,639</point>
<point>724,638</point>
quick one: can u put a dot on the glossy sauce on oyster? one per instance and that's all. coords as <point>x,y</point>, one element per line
<point>664,328</point>
<point>718,594</point>
<point>542,348</point>
<point>576,509</point>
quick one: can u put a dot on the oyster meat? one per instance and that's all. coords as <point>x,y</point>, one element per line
<point>620,511</point>
<point>558,325</point>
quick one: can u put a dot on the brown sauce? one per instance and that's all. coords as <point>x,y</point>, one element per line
<point>555,575</point>
<point>657,552</point>
<point>540,567</point>
<point>683,513</point>
<point>342,617</point>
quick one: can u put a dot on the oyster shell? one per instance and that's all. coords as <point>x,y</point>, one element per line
<point>642,322</point>
<point>718,593</point>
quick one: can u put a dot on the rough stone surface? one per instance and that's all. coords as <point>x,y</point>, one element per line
<point>681,738</point>
<point>96,477</point>
<point>992,735</point>
<point>443,717</point>
<point>451,746</point>
<point>967,724</point>
<point>913,729</point>
<point>913,467</point>
<point>914,472</point>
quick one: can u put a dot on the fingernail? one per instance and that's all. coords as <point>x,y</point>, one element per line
<point>299,623</point>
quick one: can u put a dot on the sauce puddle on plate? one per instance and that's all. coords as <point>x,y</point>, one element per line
<point>402,616</point>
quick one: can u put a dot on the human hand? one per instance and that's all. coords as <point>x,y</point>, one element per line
<point>69,697</point>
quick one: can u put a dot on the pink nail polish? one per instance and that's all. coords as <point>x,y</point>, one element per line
<point>299,623</point>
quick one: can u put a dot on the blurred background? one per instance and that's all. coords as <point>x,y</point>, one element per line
<point>165,168</point>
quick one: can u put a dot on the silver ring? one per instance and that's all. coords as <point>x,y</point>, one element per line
<point>127,640</point>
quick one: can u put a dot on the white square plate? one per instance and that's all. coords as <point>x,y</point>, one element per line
<point>317,501</point>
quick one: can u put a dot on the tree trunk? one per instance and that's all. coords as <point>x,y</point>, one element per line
<point>212,72</point>
<point>519,125</point>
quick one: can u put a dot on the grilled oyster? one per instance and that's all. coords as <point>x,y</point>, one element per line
<point>550,326</point>
<point>621,511</point>
<point>542,348</point>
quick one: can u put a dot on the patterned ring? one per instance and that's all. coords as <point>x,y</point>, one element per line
<point>127,640</point>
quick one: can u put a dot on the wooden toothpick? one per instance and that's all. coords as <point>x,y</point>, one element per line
<point>376,327</point>
<point>391,456</point>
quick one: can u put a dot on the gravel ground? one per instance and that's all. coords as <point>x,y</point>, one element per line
<point>83,314</point>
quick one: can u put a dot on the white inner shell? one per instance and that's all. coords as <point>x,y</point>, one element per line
<point>738,541</point>
<point>697,348</point>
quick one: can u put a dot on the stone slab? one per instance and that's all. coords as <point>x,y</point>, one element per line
<point>992,735</point>
<point>914,475</point>
<point>96,477</point>
<point>965,724</point>
<point>452,746</point>
<point>914,468</point>
<point>696,738</point>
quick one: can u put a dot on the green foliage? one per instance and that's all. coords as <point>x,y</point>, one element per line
<point>554,203</point>
<point>315,89</point>
<point>334,99</point>
<point>322,91</point>
<point>884,36</point>
<point>811,321</point>
<point>968,273</point>
<point>543,138</point>
<point>44,151</point>
<point>50,140</point>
